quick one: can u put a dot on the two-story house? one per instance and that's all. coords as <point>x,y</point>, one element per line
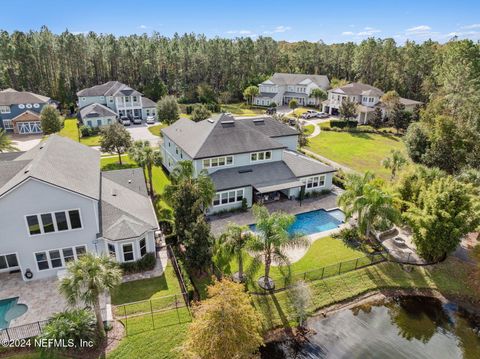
<point>281,88</point>
<point>367,98</point>
<point>56,204</point>
<point>98,104</point>
<point>20,111</point>
<point>250,159</point>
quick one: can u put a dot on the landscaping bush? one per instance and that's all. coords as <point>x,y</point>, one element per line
<point>343,123</point>
<point>144,264</point>
<point>189,109</point>
<point>314,194</point>
<point>244,205</point>
<point>349,236</point>
<point>339,179</point>
<point>213,107</point>
<point>87,131</point>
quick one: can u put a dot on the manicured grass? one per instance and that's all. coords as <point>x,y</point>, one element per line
<point>360,151</point>
<point>308,129</point>
<point>160,178</point>
<point>155,129</point>
<point>241,109</point>
<point>70,130</point>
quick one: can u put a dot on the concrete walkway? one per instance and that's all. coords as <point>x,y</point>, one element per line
<point>162,260</point>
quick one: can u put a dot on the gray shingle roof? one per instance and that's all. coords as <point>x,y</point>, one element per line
<point>147,103</point>
<point>220,135</point>
<point>9,156</point>
<point>267,94</point>
<point>302,165</point>
<point>96,110</point>
<point>408,102</point>
<point>357,88</point>
<point>270,127</point>
<point>294,79</point>
<point>295,94</point>
<point>60,162</point>
<point>126,210</point>
<point>110,88</point>
<point>11,97</point>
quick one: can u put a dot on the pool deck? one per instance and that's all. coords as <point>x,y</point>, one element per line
<point>327,202</point>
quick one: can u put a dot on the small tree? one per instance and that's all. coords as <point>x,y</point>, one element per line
<point>50,119</point>
<point>302,136</point>
<point>115,139</point>
<point>377,118</point>
<point>348,109</point>
<point>234,241</point>
<point>225,325</point>
<point>87,278</point>
<point>146,157</point>
<point>416,113</point>
<point>6,144</point>
<point>168,110</point>
<point>198,244</point>
<point>293,104</point>
<point>200,113</point>
<point>318,94</point>
<point>206,94</point>
<point>417,141</point>
<point>399,117</point>
<point>249,94</point>
<point>394,163</point>
<point>390,99</point>
<point>301,299</point>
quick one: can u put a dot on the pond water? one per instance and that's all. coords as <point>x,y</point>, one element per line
<point>405,327</point>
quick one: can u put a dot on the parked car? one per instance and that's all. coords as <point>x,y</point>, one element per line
<point>271,111</point>
<point>310,114</point>
<point>323,115</point>
<point>137,120</point>
<point>292,121</point>
<point>150,120</point>
<point>125,121</point>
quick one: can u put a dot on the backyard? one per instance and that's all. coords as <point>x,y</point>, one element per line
<point>155,129</point>
<point>70,130</point>
<point>359,151</point>
<point>242,109</point>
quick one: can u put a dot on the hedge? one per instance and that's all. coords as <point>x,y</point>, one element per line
<point>343,123</point>
<point>147,262</point>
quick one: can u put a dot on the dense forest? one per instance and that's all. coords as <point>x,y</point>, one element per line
<point>60,65</point>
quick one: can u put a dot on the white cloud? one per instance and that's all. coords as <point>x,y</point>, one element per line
<point>278,29</point>
<point>348,33</point>
<point>143,27</point>
<point>419,29</point>
<point>472,26</point>
<point>367,31</point>
<point>242,33</point>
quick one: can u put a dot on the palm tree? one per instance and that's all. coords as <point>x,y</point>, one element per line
<point>272,239</point>
<point>394,163</point>
<point>6,142</point>
<point>87,278</point>
<point>234,241</point>
<point>319,94</point>
<point>354,186</point>
<point>146,157</point>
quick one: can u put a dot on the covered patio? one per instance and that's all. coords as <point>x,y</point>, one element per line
<point>268,193</point>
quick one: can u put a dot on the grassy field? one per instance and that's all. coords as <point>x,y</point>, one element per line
<point>360,151</point>
<point>70,130</point>
<point>160,178</point>
<point>155,129</point>
<point>308,129</point>
<point>241,109</point>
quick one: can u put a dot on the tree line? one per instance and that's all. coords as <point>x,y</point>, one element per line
<point>58,65</point>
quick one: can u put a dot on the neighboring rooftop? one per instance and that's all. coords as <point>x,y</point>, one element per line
<point>297,79</point>
<point>146,102</point>
<point>58,161</point>
<point>96,110</point>
<point>357,88</point>
<point>12,97</point>
<point>110,88</point>
<point>222,135</point>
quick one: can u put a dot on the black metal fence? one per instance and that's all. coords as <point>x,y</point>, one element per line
<point>178,272</point>
<point>22,331</point>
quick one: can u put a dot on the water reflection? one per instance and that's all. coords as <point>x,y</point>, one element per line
<point>406,327</point>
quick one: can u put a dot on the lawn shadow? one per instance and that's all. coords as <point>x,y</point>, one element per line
<point>143,289</point>
<point>280,311</point>
<point>118,166</point>
<point>368,136</point>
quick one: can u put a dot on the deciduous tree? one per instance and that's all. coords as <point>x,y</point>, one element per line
<point>115,139</point>
<point>50,119</point>
<point>200,113</point>
<point>168,110</point>
<point>249,93</point>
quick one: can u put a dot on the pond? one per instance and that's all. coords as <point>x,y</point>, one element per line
<point>405,327</point>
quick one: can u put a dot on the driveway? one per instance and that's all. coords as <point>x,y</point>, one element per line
<point>26,142</point>
<point>141,132</point>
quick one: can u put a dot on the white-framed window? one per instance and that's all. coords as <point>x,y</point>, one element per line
<point>128,255</point>
<point>261,156</point>
<point>314,181</point>
<point>227,197</point>
<point>50,222</point>
<point>217,161</point>
<point>58,257</point>
<point>5,109</point>
<point>127,99</point>
<point>112,252</point>
<point>143,247</point>
<point>8,261</point>
<point>8,124</point>
<point>134,98</point>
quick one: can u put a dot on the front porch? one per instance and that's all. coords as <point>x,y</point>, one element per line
<point>329,201</point>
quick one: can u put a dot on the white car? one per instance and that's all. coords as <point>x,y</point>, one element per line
<point>137,121</point>
<point>150,120</point>
<point>125,121</point>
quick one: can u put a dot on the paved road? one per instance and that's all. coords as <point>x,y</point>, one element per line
<point>141,132</point>
<point>26,142</point>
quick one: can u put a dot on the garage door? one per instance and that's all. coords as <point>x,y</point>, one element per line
<point>29,127</point>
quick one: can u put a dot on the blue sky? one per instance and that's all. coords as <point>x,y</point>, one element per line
<point>330,21</point>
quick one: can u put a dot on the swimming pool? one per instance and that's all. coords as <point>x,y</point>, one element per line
<point>9,310</point>
<point>315,222</point>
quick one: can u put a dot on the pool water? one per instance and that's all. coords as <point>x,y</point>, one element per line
<point>9,310</point>
<point>315,221</point>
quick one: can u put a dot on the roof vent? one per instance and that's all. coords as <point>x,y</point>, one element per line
<point>210,120</point>
<point>114,192</point>
<point>27,169</point>
<point>129,181</point>
<point>245,171</point>
<point>259,121</point>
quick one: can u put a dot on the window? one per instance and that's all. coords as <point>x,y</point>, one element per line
<point>68,254</point>
<point>134,98</point>
<point>61,219</point>
<point>8,261</point>
<point>47,222</point>
<point>55,259</point>
<point>75,221</point>
<point>227,197</point>
<point>261,156</point>
<point>99,122</point>
<point>7,124</point>
<point>217,161</point>
<point>111,250</point>
<point>221,161</point>
<point>216,199</point>
<point>206,163</point>
<point>224,197</point>
<point>231,197</point>
<point>109,121</point>
<point>42,260</point>
<point>127,99</point>
<point>33,225</point>
<point>58,258</point>
<point>229,160</point>
<point>128,252</point>
<point>4,109</point>
<point>143,247</point>
<point>239,195</point>
<point>314,182</point>
<point>214,162</point>
<point>176,150</point>
<point>80,250</point>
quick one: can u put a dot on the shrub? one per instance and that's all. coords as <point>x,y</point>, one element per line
<point>71,325</point>
<point>349,236</point>
<point>213,107</point>
<point>146,263</point>
<point>343,123</point>
<point>244,204</point>
<point>188,109</point>
<point>88,131</point>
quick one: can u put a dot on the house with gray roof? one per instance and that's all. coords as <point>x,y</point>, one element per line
<point>367,98</point>
<point>20,111</point>
<point>281,88</point>
<point>56,204</point>
<point>249,160</point>
<point>117,97</point>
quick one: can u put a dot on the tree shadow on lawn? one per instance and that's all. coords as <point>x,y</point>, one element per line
<point>368,136</point>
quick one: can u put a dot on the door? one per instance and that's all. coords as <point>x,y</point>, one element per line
<point>25,128</point>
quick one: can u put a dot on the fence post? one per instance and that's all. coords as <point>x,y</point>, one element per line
<point>8,334</point>
<point>323,271</point>
<point>151,313</point>
<point>176,308</point>
<point>304,275</point>
<point>126,320</point>
<point>340,267</point>
<point>356,263</point>
<point>39,328</point>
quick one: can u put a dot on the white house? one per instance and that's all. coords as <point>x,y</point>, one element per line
<point>251,160</point>
<point>55,205</point>
<point>367,98</point>
<point>121,99</point>
<point>281,88</point>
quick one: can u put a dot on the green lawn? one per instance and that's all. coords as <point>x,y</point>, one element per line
<point>155,129</point>
<point>360,151</point>
<point>70,130</point>
<point>308,129</point>
<point>160,178</point>
<point>242,109</point>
